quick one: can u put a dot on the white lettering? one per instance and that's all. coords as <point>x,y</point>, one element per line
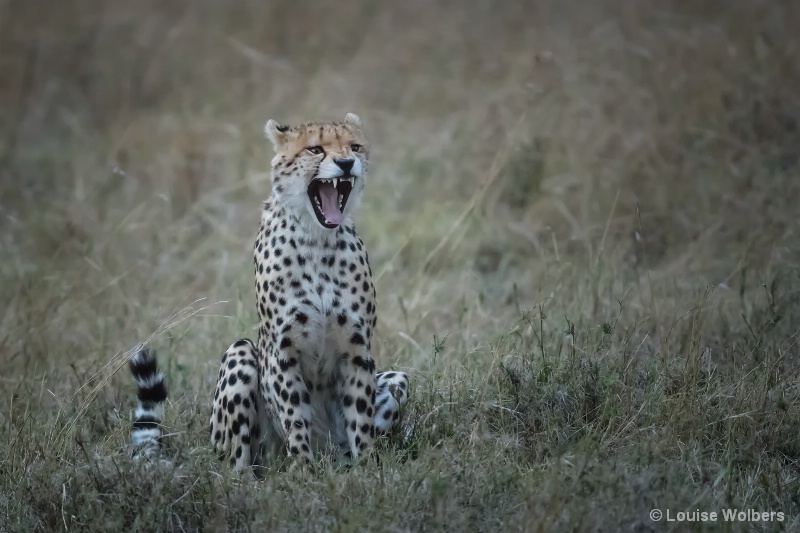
<point>729,515</point>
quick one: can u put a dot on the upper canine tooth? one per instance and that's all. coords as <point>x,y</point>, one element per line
<point>335,182</point>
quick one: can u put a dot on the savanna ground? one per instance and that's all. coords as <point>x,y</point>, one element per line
<point>582,218</point>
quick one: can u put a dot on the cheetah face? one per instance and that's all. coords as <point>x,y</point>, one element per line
<point>319,168</point>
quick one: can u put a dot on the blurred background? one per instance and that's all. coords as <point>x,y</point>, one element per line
<point>518,147</point>
<point>553,155</point>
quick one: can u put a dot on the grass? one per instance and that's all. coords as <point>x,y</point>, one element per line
<point>582,218</point>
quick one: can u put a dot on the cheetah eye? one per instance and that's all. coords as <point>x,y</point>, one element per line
<point>316,150</point>
<point>356,147</point>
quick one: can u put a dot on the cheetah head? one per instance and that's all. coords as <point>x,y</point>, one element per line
<point>319,168</point>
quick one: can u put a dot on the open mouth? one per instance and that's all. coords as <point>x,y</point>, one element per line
<point>328,198</point>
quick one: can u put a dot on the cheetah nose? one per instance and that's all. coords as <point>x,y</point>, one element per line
<point>345,164</point>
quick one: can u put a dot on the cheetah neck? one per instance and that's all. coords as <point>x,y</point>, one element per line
<point>274,210</point>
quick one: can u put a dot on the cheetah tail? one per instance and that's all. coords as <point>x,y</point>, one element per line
<point>146,433</point>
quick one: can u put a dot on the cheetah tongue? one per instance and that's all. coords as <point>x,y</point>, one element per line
<point>329,198</point>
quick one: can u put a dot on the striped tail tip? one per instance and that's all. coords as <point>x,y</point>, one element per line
<point>152,393</point>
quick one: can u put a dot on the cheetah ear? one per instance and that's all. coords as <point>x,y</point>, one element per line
<point>352,119</point>
<point>276,133</point>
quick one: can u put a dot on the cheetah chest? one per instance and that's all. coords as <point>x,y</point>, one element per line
<point>317,297</point>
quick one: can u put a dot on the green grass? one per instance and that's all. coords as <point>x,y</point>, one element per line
<point>583,221</point>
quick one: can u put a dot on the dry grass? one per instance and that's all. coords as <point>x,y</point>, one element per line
<point>583,218</point>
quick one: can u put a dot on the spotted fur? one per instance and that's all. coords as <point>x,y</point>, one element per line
<point>308,385</point>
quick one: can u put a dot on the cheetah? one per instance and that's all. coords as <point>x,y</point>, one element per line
<point>309,384</point>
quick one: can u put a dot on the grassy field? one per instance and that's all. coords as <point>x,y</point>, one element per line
<point>583,220</point>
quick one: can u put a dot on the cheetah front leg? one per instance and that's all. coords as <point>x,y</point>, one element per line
<point>289,393</point>
<point>358,396</point>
